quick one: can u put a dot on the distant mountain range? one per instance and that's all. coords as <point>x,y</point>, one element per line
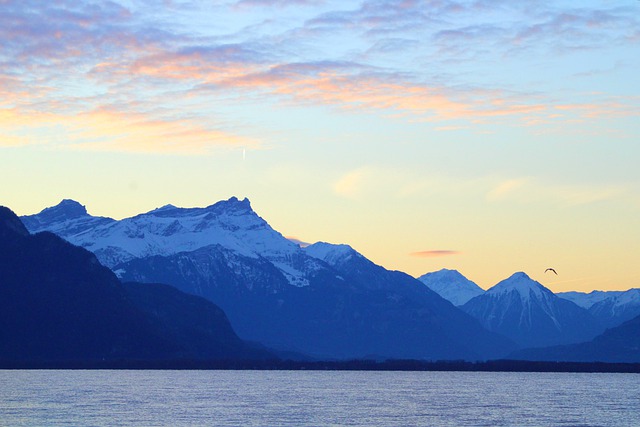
<point>326,301</point>
<point>530,314</point>
<point>58,303</point>
<point>322,300</point>
<point>616,345</point>
<point>611,308</point>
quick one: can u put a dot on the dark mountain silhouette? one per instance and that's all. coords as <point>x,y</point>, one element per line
<point>199,327</point>
<point>57,302</point>
<point>616,345</point>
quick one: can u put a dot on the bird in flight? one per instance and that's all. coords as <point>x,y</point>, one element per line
<point>551,269</point>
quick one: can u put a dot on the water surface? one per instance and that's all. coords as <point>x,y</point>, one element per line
<point>316,398</point>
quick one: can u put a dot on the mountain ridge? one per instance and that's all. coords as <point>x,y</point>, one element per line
<point>530,314</point>
<point>57,302</point>
<point>277,293</point>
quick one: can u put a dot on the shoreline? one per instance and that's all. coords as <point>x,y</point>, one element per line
<point>349,365</point>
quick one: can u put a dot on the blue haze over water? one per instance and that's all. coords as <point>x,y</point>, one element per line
<point>316,398</point>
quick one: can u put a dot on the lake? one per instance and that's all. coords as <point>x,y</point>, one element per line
<point>316,398</point>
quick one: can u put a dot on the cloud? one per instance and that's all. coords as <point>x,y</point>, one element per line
<point>354,86</point>
<point>612,107</point>
<point>434,253</point>
<point>83,59</point>
<point>505,188</point>
<point>115,130</point>
<point>530,190</point>
<point>112,130</point>
<point>352,184</point>
<point>579,195</point>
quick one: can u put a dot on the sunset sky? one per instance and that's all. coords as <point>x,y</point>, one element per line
<point>485,136</point>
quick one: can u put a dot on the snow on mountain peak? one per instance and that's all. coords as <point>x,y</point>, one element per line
<point>521,283</point>
<point>168,230</point>
<point>451,285</point>
<point>330,253</point>
<point>587,300</point>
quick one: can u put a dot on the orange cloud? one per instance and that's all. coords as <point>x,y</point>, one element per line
<point>351,184</point>
<point>604,109</point>
<point>112,130</point>
<point>344,85</point>
<point>347,86</point>
<point>109,130</point>
<point>432,254</point>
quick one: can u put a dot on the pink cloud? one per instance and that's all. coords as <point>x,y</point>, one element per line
<point>349,86</point>
<point>112,130</point>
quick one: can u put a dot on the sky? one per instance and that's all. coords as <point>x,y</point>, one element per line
<point>484,136</point>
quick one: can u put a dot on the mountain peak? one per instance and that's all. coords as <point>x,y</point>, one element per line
<point>330,253</point>
<point>445,272</point>
<point>164,208</point>
<point>451,285</point>
<point>232,204</point>
<point>521,283</point>
<point>66,209</point>
<point>10,224</point>
<point>234,201</point>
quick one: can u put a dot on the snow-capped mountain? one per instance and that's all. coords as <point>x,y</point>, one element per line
<point>334,255</point>
<point>586,300</point>
<point>321,300</point>
<point>530,314</point>
<point>57,303</point>
<point>66,219</point>
<point>231,225</point>
<point>611,308</point>
<point>451,285</point>
<point>617,308</point>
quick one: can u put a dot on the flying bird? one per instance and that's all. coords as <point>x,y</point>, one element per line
<point>551,269</point>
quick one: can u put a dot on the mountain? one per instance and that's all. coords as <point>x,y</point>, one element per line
<point>58,303</point>
<point>587,300</point>
<point>68,218</point>
<point>230,225</point>
<point>422,316</point>
<point>616,345</point>
<point>530,314</point>
<point>451,285</point>
<point>197,326</point>
<point>276,292</point>
<point>617,308</point>
<point>611,308</point>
